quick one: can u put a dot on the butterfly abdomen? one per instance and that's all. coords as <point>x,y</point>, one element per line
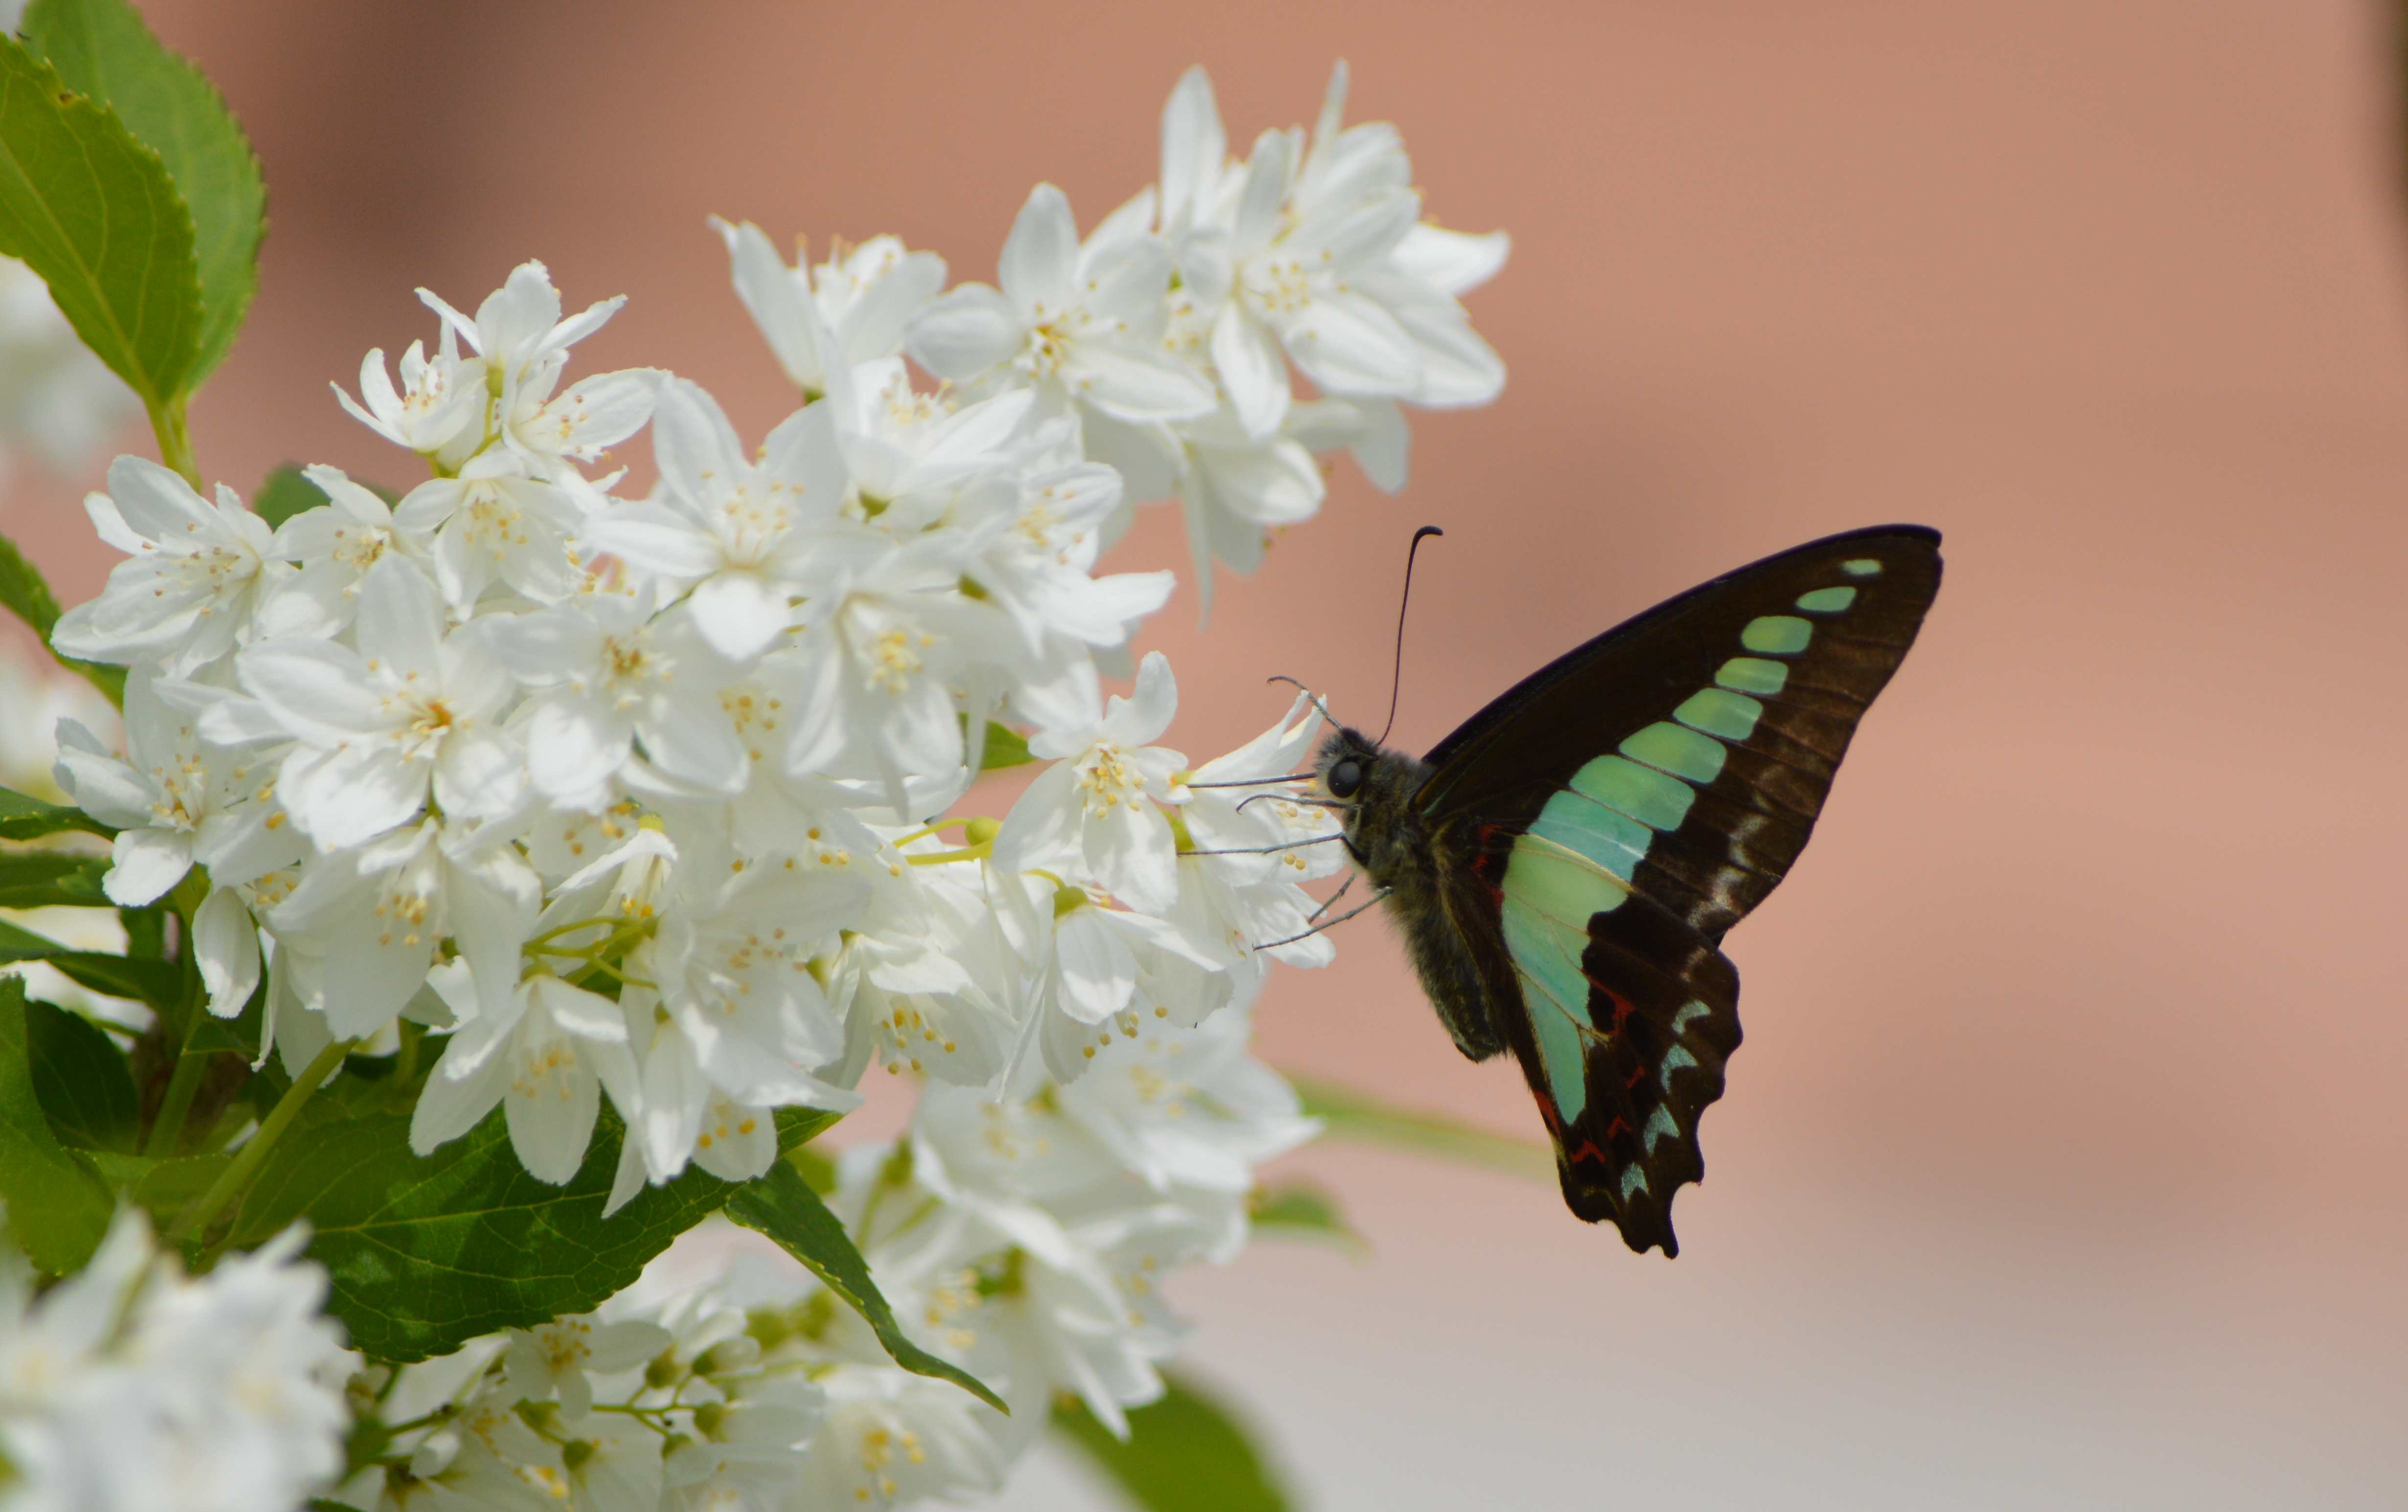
<point>1414,870</point>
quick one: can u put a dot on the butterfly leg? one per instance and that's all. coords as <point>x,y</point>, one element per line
<point>1372,902</point>
<point>1328,902</point>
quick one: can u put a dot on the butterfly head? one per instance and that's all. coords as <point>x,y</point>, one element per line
<point>1374,787</point>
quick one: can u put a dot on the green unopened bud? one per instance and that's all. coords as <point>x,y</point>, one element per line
<point>707,1416</point>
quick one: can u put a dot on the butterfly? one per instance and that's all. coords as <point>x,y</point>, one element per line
<point>1564,866</point>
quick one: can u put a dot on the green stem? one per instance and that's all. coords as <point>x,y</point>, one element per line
<point>169,1126</point>
<point>174,440</point>
<point>938,858</point>
<point>233,1178</point>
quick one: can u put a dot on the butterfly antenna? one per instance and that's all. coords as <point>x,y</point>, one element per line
<point>1396,685</point>
<point>1307,692</point>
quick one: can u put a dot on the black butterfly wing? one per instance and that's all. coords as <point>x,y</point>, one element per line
<point>1615,812</point>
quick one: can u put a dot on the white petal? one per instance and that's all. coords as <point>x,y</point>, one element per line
<point>400,620</point>
<point>1451,261</point>
<point>739,613</point>
<point>1253,371</point>
<point>698,452</point>
<point>1132,852</point>
<point>227,943</point>
<point>773,293</point>
<point>1095,973</point>
<point>144,863</point>
<point>1348,346</point>
<point>965,332</point>
<point>1041,255</point>
<point>1259,200</point>
<point>655,541</point>
<point>1193,148</point>
<point>1132,383</point>
<point>1383,449</point>
<point>1042,829</point>
<point>448,1109</point>
<point>1140,719</point>
<point>573,745</point>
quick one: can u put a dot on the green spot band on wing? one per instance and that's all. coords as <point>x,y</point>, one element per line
<point>1777,634</point>
<point>1754,675</point>
<point>1654,800</point>
<point>1729,715</point>
<point>1826,600</point>
<point>1551,892</point>
<point>1553,991</point>
<point>1861,567</point>
<point>1677,749</point>
<point>1613,839</point>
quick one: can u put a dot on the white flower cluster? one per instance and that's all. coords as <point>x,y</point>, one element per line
<point>1026,1239</point>
<point>1168,333</point>
<point>130,1385</point>
<point>631,797</point>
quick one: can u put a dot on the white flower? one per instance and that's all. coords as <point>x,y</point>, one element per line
<point>1094,811</point>
<point>332,544</point>
<point>411,710</point>
<point>891,639</point>
<point>544,1052</point>
<point>851,309</point>
<point>892,1438</point>
<point>734,971</point>
<point>607,672</point>
<point>519,332</point>
<point>496,521</point>
<point>1090,965</point>
<point>745,537</point>
<point>376,912</point>
<point>1038,563</point>
<point>128,1385</point>
<point>1238,804</point>
<point>552,1359</point>
<point>438,407</point>
<point>920,977</point>
<point>174,802</point>
<point>1082,323</point>
<point>194,577</point>
<point>1187,1106</point>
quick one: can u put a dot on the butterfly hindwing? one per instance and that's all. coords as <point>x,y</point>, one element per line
<point>1623,807</point>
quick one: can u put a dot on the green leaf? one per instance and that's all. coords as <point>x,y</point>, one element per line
<point>1352,1115</point>
<point>81,1079</point>
<point>1185,1453</point>
<point>95,213</point>
<point>1005,747</point>
<point>157,982</point>
<point>57,1205</point>
<point>287,491</point>
<point>24,593</point>
<point>28,818</point>
<point>783,1205</point>
<point>162,1188</point>
<point>1301,1210</point>
<point>42,878</point>
<point>102,48</point>
<point>425,1253</point>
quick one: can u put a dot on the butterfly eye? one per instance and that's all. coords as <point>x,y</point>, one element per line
<point>1345,778</point>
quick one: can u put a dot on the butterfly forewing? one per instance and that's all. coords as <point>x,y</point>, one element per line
<point>1624,806</point>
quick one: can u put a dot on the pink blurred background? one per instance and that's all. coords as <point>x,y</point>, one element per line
<point>2064,1164</point>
